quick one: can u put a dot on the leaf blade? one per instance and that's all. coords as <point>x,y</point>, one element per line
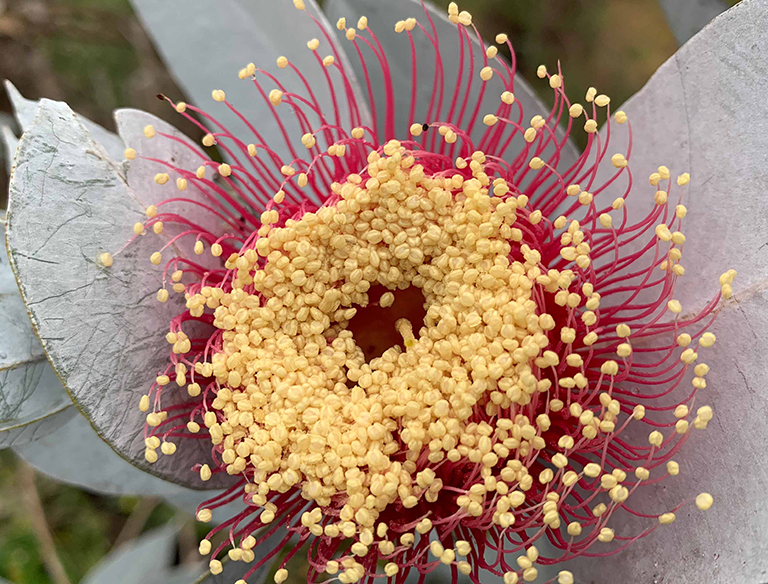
<point>32,399</point>
<point>708,88</point>
<point>68,203</point>
<point>687,17</point>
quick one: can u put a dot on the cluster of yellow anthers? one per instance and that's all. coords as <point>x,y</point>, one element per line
<point>286,359</point>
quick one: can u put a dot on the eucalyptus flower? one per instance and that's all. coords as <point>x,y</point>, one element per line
<point>400,317</point>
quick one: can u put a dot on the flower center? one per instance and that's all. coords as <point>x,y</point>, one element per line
<point>374,327</point>
<point>358,408</point>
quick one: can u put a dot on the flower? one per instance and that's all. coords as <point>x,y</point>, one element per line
<point>514,411</point>
<point>64,179</point>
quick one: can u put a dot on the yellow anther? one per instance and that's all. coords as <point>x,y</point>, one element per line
<point>655,438</point>
<point>465,18</point>
<point>204,515</point>
<point>704,501</point>
<point>510,578</point>
<point>575,110</point>
<point>602,100</point>
<point>529,135</point>
<point>218,95</point>
<point>130,154</point>
<point>666,518</point>
<point>149,131</point>
<point>308,140</point>
<point>276,97</point>
<point>618,160</point>
<point>168,448</point>
<point>606,535</point>
<point>674,306</point>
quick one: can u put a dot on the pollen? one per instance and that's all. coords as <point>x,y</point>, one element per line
<point>106,259</point>
<point>393,255</point>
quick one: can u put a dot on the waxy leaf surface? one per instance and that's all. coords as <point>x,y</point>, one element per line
<point>687,17</point>
<point>101,327</point>
<point>704,112</point>
<point>32,400</point>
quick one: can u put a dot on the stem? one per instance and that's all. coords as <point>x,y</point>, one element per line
<point>136,520</point>
<point>34,508</point>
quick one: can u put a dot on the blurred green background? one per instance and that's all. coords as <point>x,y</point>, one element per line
<point>94,55</point>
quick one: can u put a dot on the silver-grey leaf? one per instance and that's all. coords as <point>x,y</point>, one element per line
<point>25,110</point>
<point>76,455</point>
<point>8,141</point>
<point>382,17</point>
<point>705,112</point>
<point>179,152</point>
<point>101,327</point>
<point>110,141</point>
<point>32,399</point>
<point>146,560</point>
<point>187,574</point>
<point>204,48</point>
<point>687,17</point>
<point>46,406</point>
